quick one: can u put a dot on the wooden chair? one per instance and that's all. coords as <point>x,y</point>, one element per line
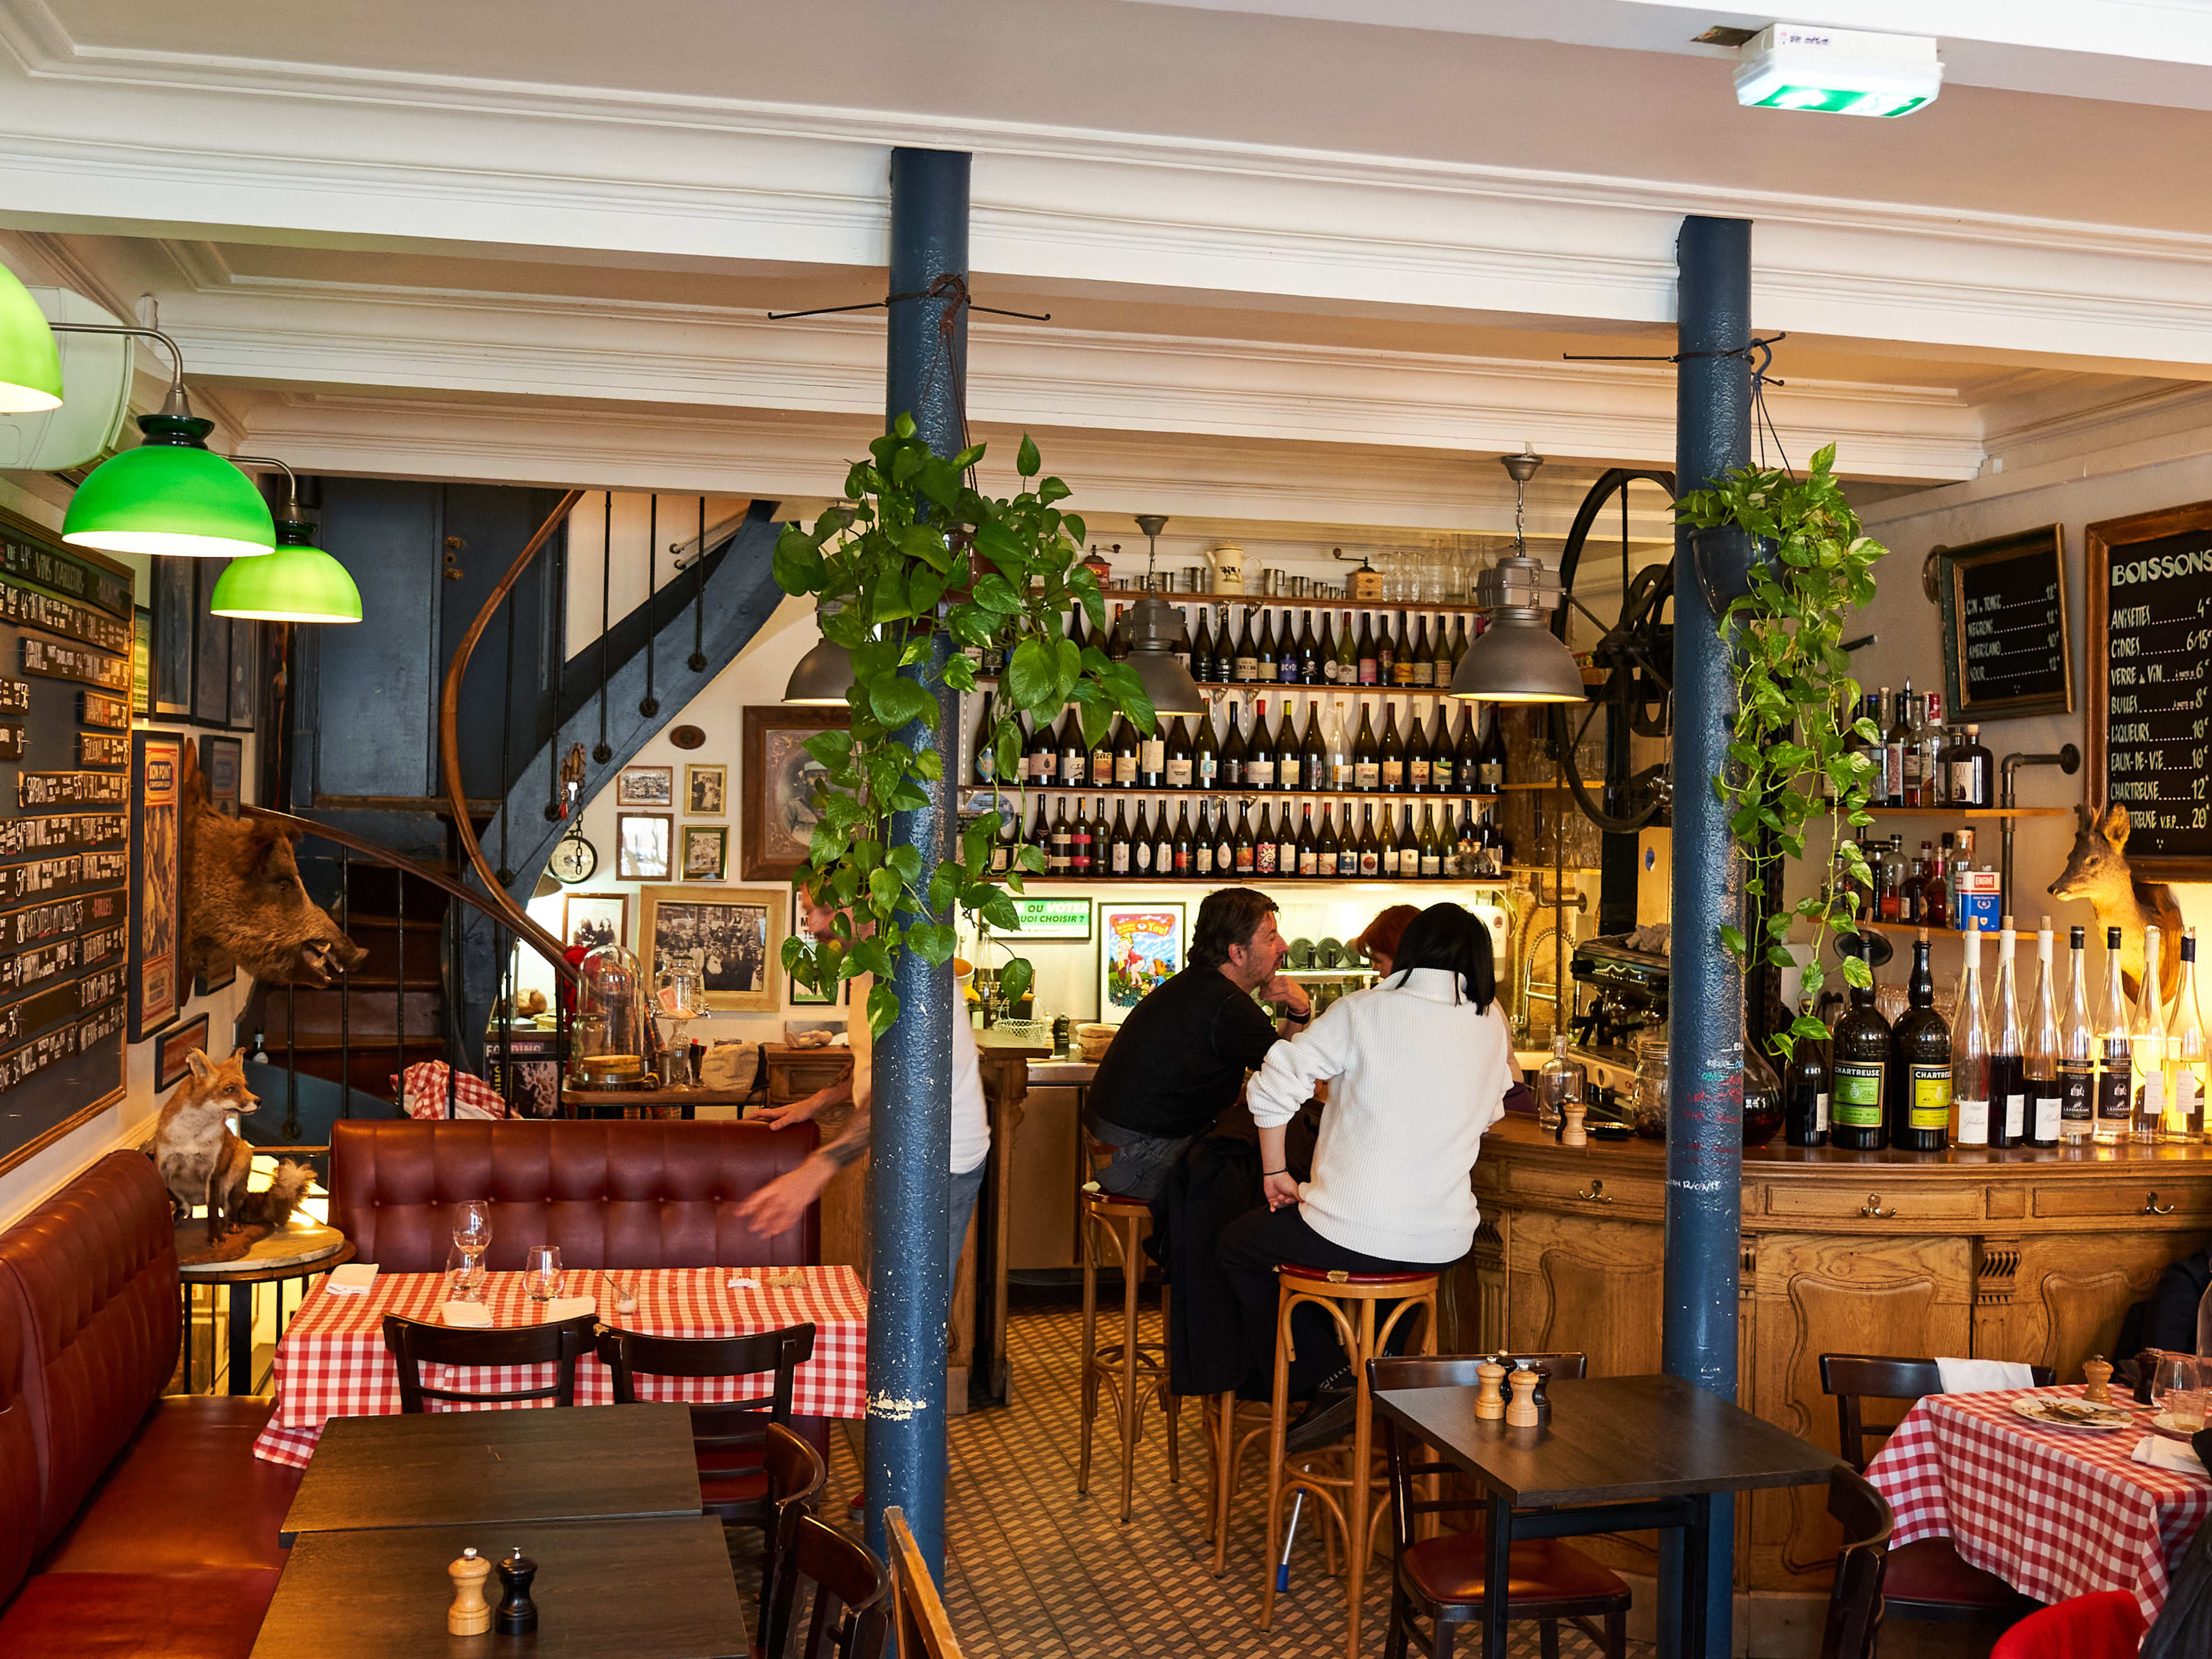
<point>796,1474</point>
<point>1441,1579</point>
<point>924,1631</point>
<point>726,1435</point>
<point>1926,1578</point>
<point>1855,1603</point>
<point>414,1345</point>
<point>851,1589</point>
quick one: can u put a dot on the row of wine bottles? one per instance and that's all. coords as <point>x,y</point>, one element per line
<point>1438,846</point>
<point>1414,760</point>
<point>1989,1078</point>
<point>1258,643</point>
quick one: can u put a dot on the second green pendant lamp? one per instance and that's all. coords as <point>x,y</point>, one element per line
<point>298,582</point>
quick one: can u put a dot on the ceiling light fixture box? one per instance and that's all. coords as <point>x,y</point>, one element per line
<point>1837,71</point>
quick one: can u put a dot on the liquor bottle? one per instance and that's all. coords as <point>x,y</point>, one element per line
<point>1408,849</point>
<point>1930,734</point>
<point>2187,1053</point>
<point>1805,1096</point>
<point>1969,1055</point>
<point>1286,843</point>
<point>2040,1062</point>
<point>1060,851</point>
<point>1185,850</point>
<point>1224,842</point>
<point>1391,771</point>
<point>1152,758</point>
<point>1327,847</point>
<point>1935,896</point>
<point>1912,899</point>
<point>1313,754</point>
<point>1260,751</point>
<point>2115,1085</point>
<point>1309,651</point>
<point>1232,750</point>
<point>2008,1063</point>
<point>1919,1085</point>
<point>1125,753</point>
<point>1891,750</point>
<point>1889,896</point>
<point>1177,751</point>
<point>1289,763</point>
<point>1370,850</point>
<point>1907,749</point>
<point>1340,749</point>
<point>1040,755</point>
<point>1075,753</point>
<point>1265,651</point>
<point>1347,655</point>
<point>1856,744</point>
<point>1490,759</point>
<point>1433,848</point>
<point>1309,844</point>
<point>2147,1050</point>
<point>1243,850</point>
<point>1860,1068</point>
<point>1080,839</point>
<point>2077,1049</point>
<point>1201,649</point>
<point>1366,755</point>
<point>1118,844</point>
<point>1264,844</point>
<point>1369,663</point>
<point>1971,766</point>
<point>1205,754</point>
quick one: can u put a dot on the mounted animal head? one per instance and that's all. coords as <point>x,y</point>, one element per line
<point>2097,869</point>
<point>243,904</point>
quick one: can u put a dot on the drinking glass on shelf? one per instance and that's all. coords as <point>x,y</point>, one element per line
<point>541,1266</point>
<point>464,1275</point>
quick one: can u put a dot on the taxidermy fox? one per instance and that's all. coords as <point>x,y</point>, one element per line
<point>200,1161</point>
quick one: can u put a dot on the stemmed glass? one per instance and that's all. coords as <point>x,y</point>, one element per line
<point>471,1238</point>
<point>542,1267</point>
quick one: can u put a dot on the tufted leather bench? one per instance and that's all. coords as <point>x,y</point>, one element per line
<point>151,1524</point>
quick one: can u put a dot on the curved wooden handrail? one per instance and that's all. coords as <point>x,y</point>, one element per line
<point>449,726</point>
<point>535,937</point>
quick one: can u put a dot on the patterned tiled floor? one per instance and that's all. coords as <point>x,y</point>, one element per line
<point>1034,1572</point>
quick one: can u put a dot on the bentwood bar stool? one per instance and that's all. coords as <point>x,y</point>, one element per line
<point>1346,1499</point>
<point>1130,1372</point>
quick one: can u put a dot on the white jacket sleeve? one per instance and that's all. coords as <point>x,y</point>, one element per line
<point>1286,1082</point>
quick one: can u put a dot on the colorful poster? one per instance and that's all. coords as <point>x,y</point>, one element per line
<point>155,993</point>
<point>1141,947</point>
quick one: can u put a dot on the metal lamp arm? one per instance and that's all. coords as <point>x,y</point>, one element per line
<point>176,396</point>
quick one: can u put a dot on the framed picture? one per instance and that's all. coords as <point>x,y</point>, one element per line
<point>1054,918</point>
<point>729,933</point>
<point>795,993</point>
<point>152,973</point>
<point>645,786</point>
<point>706,791</point>
<point>210,651</point>
<point>705,852</point>
<point>222,765</point>
<point>142,662</point>
<point>172,638</point>
<point>591,919</point>
<point>776,816</point>
<point>245,671</point>
<point>1141,947</point>
<point>643,842</point>
<point>172,1059</point>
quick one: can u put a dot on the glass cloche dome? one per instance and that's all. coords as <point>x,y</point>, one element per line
<point>607,1037</point>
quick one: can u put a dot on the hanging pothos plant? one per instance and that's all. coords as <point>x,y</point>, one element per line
<point>1791,756</point>
<point>919,555</point>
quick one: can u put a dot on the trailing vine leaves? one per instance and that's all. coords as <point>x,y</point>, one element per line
<point>914,553</point>
<point>1795,705</point>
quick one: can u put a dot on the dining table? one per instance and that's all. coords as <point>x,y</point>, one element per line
<point>331,1361</point>
<point>2055,1511</point>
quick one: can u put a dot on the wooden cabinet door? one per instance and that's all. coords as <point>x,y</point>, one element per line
<point>2065,1294</point>
<point>1584,1283</point>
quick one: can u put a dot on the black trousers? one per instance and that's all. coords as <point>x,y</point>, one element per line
<point>1250,1249</point>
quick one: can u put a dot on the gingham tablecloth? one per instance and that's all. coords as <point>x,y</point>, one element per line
<point>2053,1512</point>
<point>332,1361</point>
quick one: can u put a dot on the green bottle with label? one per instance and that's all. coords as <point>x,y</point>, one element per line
<point>1919,1104</point>
<point>1859,1089</point>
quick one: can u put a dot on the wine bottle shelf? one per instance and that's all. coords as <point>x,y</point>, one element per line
<point>1409,797</point>
<point>1379,883</point>
<point>1318,688</point>
<point>1972,811</point>
<point>1313,602</point>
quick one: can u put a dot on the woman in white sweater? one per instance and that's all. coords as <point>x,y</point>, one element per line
<point>1418,1067</point>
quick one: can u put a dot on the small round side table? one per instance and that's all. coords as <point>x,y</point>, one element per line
<point>300,1250</point>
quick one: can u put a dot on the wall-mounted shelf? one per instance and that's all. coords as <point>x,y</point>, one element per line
<point>1969,812</point>
<point>1373,884</point>
<point>1122,791</point>
<point>1554,783</point>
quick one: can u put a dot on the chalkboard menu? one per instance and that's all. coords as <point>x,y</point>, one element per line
<point>2150,643</point>
<point>2006,652</point>
<point>65,618</point>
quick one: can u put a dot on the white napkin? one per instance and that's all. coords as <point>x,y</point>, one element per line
<point>568,1307</point>
<point>466,1315</point>
<point>352,1279</point>
<point>2160,1453</point>
<point>1984,1375</point>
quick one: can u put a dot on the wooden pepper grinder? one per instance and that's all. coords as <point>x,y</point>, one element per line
<point>469,1615</point>
<point>517,1613</point>
<point>1571,1133</point>
<point>1489,1397</point>
<point>1520,1412</point>
<point>2097,1374</point>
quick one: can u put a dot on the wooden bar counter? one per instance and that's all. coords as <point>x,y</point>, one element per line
<point>2027,1254</point>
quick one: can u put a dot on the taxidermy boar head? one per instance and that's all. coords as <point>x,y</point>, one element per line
<point>243,902</point>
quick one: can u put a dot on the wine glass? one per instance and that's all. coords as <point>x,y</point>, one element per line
<point>464,1275</point>
<point>541,1266</point>
<point>472,1225</point>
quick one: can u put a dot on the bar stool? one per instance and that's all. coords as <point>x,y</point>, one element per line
<point>1231,1425</point>
<point>1349,1498</point>
<point>1130,1371</point>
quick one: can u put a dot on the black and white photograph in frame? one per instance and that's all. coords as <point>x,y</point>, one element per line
<point>591,919</point>
<point>644,844</point>
<point>733,937</point>
<point>645,786</point>
<point>705,852</point>
<point>706,791</point>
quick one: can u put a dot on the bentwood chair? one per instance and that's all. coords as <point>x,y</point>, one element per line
<point>796,1474</point>
<point>851,1591</point>
<point>1440,1580</point>
<point>1131,1373</point>
<point>1925,1579</point>
<point>924,1630</point>
<point>1855,1603</point>
<point>414,1345</point>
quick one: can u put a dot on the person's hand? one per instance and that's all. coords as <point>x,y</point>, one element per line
<point>1279,1189</point>
<point>779,1205</point>
<point>1288,992</point>
<point>782,1117</point>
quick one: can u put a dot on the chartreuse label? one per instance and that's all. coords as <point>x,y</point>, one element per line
<point>1931,1106</point>
<point>1858,1095</point>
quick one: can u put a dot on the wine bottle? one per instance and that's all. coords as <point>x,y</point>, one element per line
<point>2147,1050</point>
<point>1206,754</point>
<point>1101,759</point>
<point>1042,750</point>
<point>1408,848</point>
<point>1419,768</point>
<point>1433,847</point>
<point>1232,748</point>
<point>1490,761</point>
<point>1466,746</point>
<point>1202,851</point>
<point>1246,669</point>
<point>2077,1049</point>
<point>1004,844</point>
<point>1308,845</point>
<point>1470,842</point>
<point>1920,1065</point>
<point>2039,1063</point>
<point>1860,1069</point>
<point>1180,770</point>
<point>2185,1048</point>
<point>1243,850</point>
<point>1201,649</point>
<point>1266,648</point>
<point>1060,855</point>
<point>1182,652</point>
<point>1152,758</point>
<point>1340,749</point>
<point>1390,652</point>
<point>2115,1084</point>
<point>1309,652</point>
<point>1805,1095</point>
<point>1286,844</point>
<point>1140,842</point>
<point>1290,761</point>
<point>1075,753</point>
<point>1080,839</point>
<point>1347,655</point>
<point>1125,753</point>
<point>1370,850</point>
<point>1259,750</point>
<point>1369,663</point>
<point>1078,626</point>
<point>1969,1055</point>
<point>1157,841</point>
<point>983,756</point>
<point>1264,844</point>
<point>1117,642</point>
<point>1390,772</point>
<point>1325,671</point>
<point>1327,847</point>
<point>1183,850</point>
<point>1434,659</point>
<point>1224,842</point>
<point>2007,1064</point>
<point>1118,844</point>
<point>1313,753</point>
<point>1366,755</point>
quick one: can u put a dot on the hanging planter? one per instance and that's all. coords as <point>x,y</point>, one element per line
<point>1724,557</point>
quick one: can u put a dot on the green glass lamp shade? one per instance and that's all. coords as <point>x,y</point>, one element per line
<point>299,582</point>
<point>30,364</point>
<point>171,496</point>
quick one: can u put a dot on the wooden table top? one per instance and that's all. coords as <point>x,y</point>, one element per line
<point>481,1468</point>
<point>624,1589</point>
<point>1612,1439</point>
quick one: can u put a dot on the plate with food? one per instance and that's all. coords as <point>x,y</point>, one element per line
<point>2068,1412</point>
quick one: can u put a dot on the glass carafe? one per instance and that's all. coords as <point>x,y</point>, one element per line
<point>679,997</point>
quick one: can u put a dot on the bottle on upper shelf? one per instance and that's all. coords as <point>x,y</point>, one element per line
<point>1259,772</point>
<point>1904,750</point>
<point>1366,755</point>
<point>1490,758</point>
<point>1202,666</point>
<point>1971,767</point>
<point>1419,756</point>
<point>1181,771</point>
<point>1390,772</point>
<point>1368,662</point>
<point>1075,753</point>
<point>1290,759</point>
<point>1346,657</point>
<point>1231,761</point>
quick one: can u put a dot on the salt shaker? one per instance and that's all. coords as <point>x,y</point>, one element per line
<point>1521,1411</point>
<point>2097,1375</point>
<point>1489,1400</point>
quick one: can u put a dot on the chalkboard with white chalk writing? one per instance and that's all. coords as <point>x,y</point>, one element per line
<point>2005,647</point>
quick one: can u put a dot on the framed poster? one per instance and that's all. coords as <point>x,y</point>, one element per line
<point>644,843</point>
<point>591,919</point>
<point>210,651</point>
<point>142,663</point>
<point>222,765</point>
<point>795,993</point>
<point>1053,918</point>
<point>173,1059</point>
<point>645,786</point>
<point>245,671</point>
<point>776,815</point>
<point>172,638</point>
<point>1141,947</point>
<point>706,791</point>
<point>705,852</point>
<point>151,973</point>
<point>728,934</point>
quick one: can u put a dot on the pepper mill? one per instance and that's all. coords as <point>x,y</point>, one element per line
<point>1541,1396</point>
<point>2097,1374</point>
<point>1489,1398</point>
<point>1520,1412</point>
<point>1571,1133</point>
<point>469,1615</point>
<point>517,1613</point>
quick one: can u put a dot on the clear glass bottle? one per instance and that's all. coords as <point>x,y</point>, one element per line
<point>2185,1050</point>
<point>1560,1082</point>
<point>2115,1091</point>
<point>2077,1049</point>
<point>2008,1074</point>
<point>1969,1055</point>
<point>2039,1063</point>
<point>2146,1051</point>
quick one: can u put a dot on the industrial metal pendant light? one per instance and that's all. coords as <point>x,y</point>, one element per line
<point>824,674</point>
<point>1154,628</point>
<point>171,495</point>
<point>30,367</point>
<point>299,582</point>
<point>1518,659</point>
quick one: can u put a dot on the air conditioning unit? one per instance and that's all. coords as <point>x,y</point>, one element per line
<point>96,372</point>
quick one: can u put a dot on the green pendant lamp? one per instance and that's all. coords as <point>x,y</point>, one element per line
<point>299,582</point>
<point>172,495</point>
<point>30,367</point>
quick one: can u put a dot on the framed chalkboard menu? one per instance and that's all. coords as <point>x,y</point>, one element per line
<point>66,637</point>
<point>2150,718</point>
<point>2006,652</point>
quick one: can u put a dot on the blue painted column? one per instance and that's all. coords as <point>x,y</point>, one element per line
<point>909,1290</point>
<point>1705,1087</point>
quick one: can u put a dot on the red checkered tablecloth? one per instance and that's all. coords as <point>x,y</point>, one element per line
<point>332,1362</point>
<point>2053,1512</point>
